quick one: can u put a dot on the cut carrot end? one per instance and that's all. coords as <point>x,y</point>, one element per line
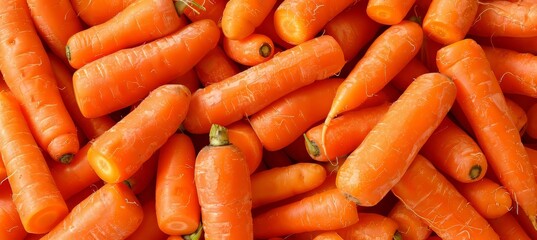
<point>105,169</point>
<point>383,15</point>
<point>218,135</point>
<point>44,220</point>
<point>66,158</point>
<point>475,172</point>
<point>311,147</point>
<point>179,225</point>
<point>397,236</point>
<point>68,53</point>
<point>443,33</point>
<point>196,235</point>
<point>265,50</point>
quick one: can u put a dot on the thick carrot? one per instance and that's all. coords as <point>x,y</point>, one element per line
<point>119,152</point>
<point>389,12</point>
<point>224,189</point>
<point>531,128</point>
<point>27,71</point>
<point>382,158</point>
<point>285,182</point>
<point>177,206</point>
<point>140,22</point>
<point>505,19</point>
<point>149,228</point>
<point>10,222</point>
<point>297,21</point>
<point>371,226</point>
<point>480,98</point>
<point>94,12</point>
<point>141,179</point>
<point>215,66</point>
<point>409,225</point>
<point>240,18</point>
<point>449,21</point>
<point>242,135</point>
<point>427,193</point>
<point>412,70</point>
<point>384,58</point>
<point>331,235</point>
<point>250,50</point>
<point>330,209</point>
<point>256,87</point>
<point>112,212</point>
<point>487,197</point>
<point>507,227</point>
<point>100,86</point>
<point>35,195</point>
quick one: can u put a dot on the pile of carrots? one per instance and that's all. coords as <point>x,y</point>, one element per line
<point>268,120</point>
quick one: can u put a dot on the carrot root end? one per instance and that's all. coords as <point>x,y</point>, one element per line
<point>265,50</point>
<point>66,158</point>
<point>218,135</point>
<point>397,235</point>
<point>311,147</point>
<point>195,235</point>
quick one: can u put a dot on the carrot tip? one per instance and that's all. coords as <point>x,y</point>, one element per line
<point>66,158</point>
<point>195,235</point>
<point>397,235</point>
<point>311,147</point>
<point>218,135</point>
<point>475,172</point>
<point>265,50</point>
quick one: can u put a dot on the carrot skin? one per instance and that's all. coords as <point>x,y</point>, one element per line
<point>215,66</point>
<point>251,50</point>
<point>388,12</point>
<point>239,20</point>
<point>9,217</point>
<point>148,228</point>
<point>507,227</point>
<point>242,135</point>
<point>449,21</point>
<point>94,12</point>
<point>409,225</point>
<point>488,198</point>
<point>370,226</point>
<point>505,19</point>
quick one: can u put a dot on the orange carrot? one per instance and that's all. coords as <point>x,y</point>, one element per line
<point>240,18</point>
<point>215,66</point>
<point>242,135</point>
<point>149,228</point>
<point>330,209</point>
<point>224,189</point>
<point>189,79</point>
<point>100,86</point>
<point>412,70</point>
<point>285,182</point>
<point>373,168</point>
<point>531,114</point>
<point>508,227</point>
<point>119,152</point>
<point>35,195</point>
<point>251,50</point>
<point>448,21</point>
<point>143,176</point>
<point>481,99</point>
<point>505,19</point>
<point>331,235</point>
<point>519,44</point>
<point>384,58</point>
<point>10,222</point>
<point>297,21</point>
<point>388,12</point>
<point>199,10</point>
<point>83,194</point>
<point>112,212</point>
<point>135,24</point>
<point>27,71</point>
<point>267,28</point>
<point>427,193</point>
<point>409,225</point>
<point>487,197</point>
<point>256,87</point>
<point>371,226</point>
<point>524,222</point>
<point>94,12</point>
<point>177,206</point>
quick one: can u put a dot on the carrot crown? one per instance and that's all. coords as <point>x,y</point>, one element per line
<point>218,136</point>
<point>195,235</point>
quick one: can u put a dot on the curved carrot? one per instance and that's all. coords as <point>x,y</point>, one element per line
<point>56,22</point>
<point>240,18</point>
<point>285,182</point>
<point>426,192</point>
<point>531,128</point>
<point>412,70</point>
<point>224,189</point>
<point>455,153</point>
<point>10,222</point>
<point>26,70</point>
<point>177,206</point>
<point>140,22</point>
<point>35,195</point>
<point>242,135</point>
<point>331,235</point>
<point>481,99</point>
<point>505,19</point>
<point>386,152</point>
<point>449,21</point>
<point>256,87</point>
<point>384,58</point>
<point>330,209</point>
<point>119,152</point>
<point>409,225</point>
<point>507,227</point>
<point>388,12</point>
<point>487,197</point>
<point>215,66</point>
<point>100,86</point>
<point>149,228</point>
<point>250,50</point>
<point>297,21</point>
<point>112,212</point>
<point>371,226</point>
<point>189,79</point>
<point>94,12</point>
<point>199,10</point>
<point>141,179</point>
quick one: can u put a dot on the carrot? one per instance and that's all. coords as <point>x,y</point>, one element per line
<point>524,222</point>
<point>427,193</point>
<point>388,12</point>
<point>274,159</point>
<point>199,10</point>
<point>429,48</point>
<point>384,58</point>
<point>94,12</point>
<point>135,24</point>
<point>373,168</point>
<point>189,79</point>
<point>352,29</point>
<point>27,71</point>
<point>508,227</point>
<point>371,226</point>
<point>177,206</point>
<point>253,89</point>
<point>297,21</point>
<point>56,22</point>
<point>143,176</point>
<point>409,225</point>
<point>412,70</point>
<point>35,195</point>
<point>481,99</point>
<point>149,228</point>
<point>487,197</point>
<point>531,114</point>
<point>328,236</point>
<point>285,182</point>
<point>242,135</point>
<point>251,50</point>
<point>515,71</point>
<point>330,209</point>
<point>519,44</point>
<point>224,190</point>
<point>100,86</point>
<point>505,19</point>
<point>112,212</point>
<point>267,28</point>
<point>448,21</point>
<point>240,18</point>
<point>517,115</point>
<point>455,153</point>
<point>10,222</point>
<point>83,194</point>
<point>215,66</point>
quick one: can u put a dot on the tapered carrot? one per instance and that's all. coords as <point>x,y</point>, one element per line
<point>35,195</point>
<point>531,128</point>
<point>149,228</point>
<point>507,227</point>
<point>505,19</point>
<point>426,192</point>
<point>100,86</point>
<point>256,87</point>
<point>10,222</point>
<point>487,197</point>
<point>449,21</point>
<point>373,168</point>
<point>224,189</point>
<point>27,72</point>
<point>409,225</point>
<point>177,206</point>
<point>215,66</point>
<point>384,58</point>
<point>240,18</point>
<point>199,10</point>
<point>144,175</point>
<point>94,12</point>
<point>112,212</point>
<point>242,135</point>
<point>297,21</point>
<point>119,152</point>
<point>251,50</point>
<point>412,70</point>
<point>388,12</point>
<point>480,98</point>
<point>331,235</point>
<point>142,21</point>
